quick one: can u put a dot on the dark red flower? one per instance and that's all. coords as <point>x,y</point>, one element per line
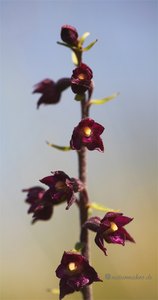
<point>50,90</point>
<point>40,203</point>
<point>62,187</point>
<point>74,272</point>
<point>81,79</point>
<point>87,133</point>
<point>110,229</point>
<point>69,35</point>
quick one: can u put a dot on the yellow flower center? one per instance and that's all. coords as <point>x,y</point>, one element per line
<point>60,185</point>
<point>72,266</point>
<point>113,226</point>
<point>87,131</point>
<point>81,76</point>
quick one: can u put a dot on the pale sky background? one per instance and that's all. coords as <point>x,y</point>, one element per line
<point>124,60</point>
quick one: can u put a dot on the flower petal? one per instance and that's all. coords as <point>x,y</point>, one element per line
<point>100,243</point>
<point>65,288</point>
<point>122,220</point>
<point>127,235</point>
<point>117,237</point>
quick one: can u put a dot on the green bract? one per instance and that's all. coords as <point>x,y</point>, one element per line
<point>104,100</point>
<point>62,148</point>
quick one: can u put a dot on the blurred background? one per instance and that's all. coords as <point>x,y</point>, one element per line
<point>123,60</point>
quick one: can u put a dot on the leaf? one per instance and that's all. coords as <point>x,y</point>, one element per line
<point>89,46</point>
<point>74,58</point>
<point>62,148</point>
<point>83,37</point>
<point>99,207</point>
<point>104,100</point>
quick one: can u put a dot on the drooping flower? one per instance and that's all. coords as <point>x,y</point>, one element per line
<point>69,35</point>
<point>62,187</point>
<point>81,79</point>
<point>110,229</point>
<point>87,133</point>
<point>50,90</point>
<point>74,272</point>
<point>40,203</point>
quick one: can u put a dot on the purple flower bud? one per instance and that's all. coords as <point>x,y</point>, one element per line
<point>51,91</point>
<point>74,272</point>
<point>87,133</point>
<point>69,35</point>
<point>81,79</point>
<point>110,229</point>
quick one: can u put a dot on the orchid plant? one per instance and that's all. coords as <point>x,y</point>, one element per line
<point>74,271</point>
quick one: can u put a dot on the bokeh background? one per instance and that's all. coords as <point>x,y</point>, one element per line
<point>124,177</point>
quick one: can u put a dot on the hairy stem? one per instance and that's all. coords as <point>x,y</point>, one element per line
<point>84,200</point>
